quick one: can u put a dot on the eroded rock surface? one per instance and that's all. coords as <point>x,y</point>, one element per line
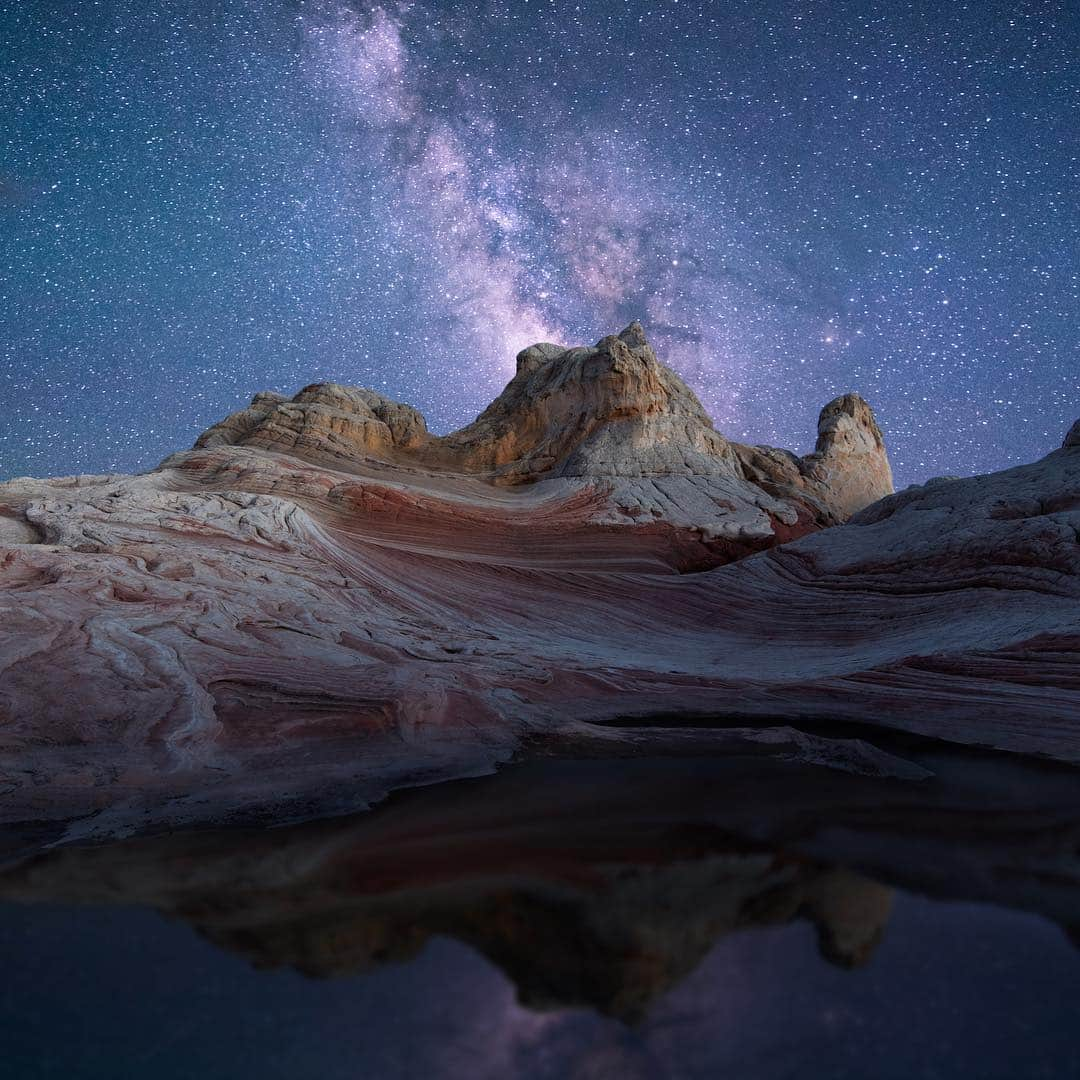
<point>611,416</point>
<point>322,601</point>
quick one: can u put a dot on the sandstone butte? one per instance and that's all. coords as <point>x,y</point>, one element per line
<point>322,601</point>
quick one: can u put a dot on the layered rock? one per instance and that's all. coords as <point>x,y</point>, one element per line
<point>611,417</point>
<point>322,601</point>
<point>324,420</point>
<point>849,460</point>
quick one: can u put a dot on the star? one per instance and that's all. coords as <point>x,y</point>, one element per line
<point>404,195</point>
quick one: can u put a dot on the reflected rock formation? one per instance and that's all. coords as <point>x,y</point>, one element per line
<point>600,883</point>
<point>615,943</point>
<point>322,602</point>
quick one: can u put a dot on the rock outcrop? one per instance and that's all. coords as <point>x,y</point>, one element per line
<point>322,601</point>
<point>611,417</point>
<point>849,461</point>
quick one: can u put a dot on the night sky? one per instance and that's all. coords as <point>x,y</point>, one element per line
<point>199,200</point>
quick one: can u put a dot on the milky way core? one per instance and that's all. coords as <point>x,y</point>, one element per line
<point>201,201</point>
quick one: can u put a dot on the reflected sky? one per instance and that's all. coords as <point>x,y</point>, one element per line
<point>953,990</point>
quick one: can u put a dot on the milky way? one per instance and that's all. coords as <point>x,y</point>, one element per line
<point>202,200</point>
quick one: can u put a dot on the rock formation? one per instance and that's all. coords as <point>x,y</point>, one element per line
<point>611,414</point>
<point>322,601</point>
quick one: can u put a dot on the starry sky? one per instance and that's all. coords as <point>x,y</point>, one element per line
<point>205,198</point>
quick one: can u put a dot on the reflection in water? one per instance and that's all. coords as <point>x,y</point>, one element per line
<point>953,990</point>
<point>616,945</point>
<point>614,887</point>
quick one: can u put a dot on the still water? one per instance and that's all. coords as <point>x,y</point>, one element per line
<point>670,917</point>
<point>952,990</point>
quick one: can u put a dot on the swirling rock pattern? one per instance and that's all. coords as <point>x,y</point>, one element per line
<point>322,601</point>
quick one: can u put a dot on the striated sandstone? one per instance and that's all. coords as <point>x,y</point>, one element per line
<point>612,417</point>
<point>322,601</point>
